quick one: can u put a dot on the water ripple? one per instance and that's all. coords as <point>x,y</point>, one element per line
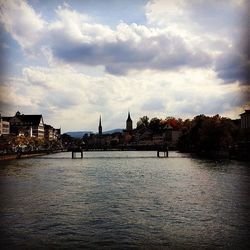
<point>124,200</point>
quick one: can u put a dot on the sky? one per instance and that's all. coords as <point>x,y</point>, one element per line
<point>72,60</point>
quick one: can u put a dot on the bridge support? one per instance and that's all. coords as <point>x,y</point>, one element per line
<point>165,153</point>
<point>74,153</point>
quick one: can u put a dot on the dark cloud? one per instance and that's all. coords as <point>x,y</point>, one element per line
<point>234,64</point>
<point>233,67</point>
<point>159,53</point>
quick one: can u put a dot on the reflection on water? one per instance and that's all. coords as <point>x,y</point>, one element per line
<point>124,200</point>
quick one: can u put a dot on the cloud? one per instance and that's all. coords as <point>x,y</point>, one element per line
<point>74,39</point>
<point>211,17</point>
<point>180,34</point>
<point>22,22</point>
<point>153,105</point>
<point>218,27</point>
<point>220,104</point>
<point>129,47</point>
<point>233,67</point>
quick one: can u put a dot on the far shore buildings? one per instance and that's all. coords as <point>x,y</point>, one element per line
<point>29,126</point>
<point>142,136</point>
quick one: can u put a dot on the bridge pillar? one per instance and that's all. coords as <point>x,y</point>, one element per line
<point>165,153</point>
<point>74,153</point>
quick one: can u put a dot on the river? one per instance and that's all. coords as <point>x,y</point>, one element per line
<point>124,200</point>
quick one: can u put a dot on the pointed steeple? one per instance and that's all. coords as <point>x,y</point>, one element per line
<point>100,126</point>
<point>129,118</point>
<point>129,123</point>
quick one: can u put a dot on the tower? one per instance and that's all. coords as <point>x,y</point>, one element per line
<point>129,123</point>
<point>100,126</point>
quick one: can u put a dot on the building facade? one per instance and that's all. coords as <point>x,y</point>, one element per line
<point>48,132</point>
<point>27,125</point>
<point>51,133</point>
<point>245,119</point>
<point>4,126</point>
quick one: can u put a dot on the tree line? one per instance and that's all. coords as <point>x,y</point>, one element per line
<point>202,133</point>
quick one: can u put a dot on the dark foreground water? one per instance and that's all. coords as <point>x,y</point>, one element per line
<point>121,200</point>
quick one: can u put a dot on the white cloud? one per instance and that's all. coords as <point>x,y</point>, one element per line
<point>24,24</point>
<point>73,38</point>
<point>180,34</point>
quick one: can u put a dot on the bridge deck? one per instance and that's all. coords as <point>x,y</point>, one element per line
<point>79,150</point>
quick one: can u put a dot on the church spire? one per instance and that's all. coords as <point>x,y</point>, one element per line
<point>100,126</point>
<point>129,123</point>
<point>129,118</point>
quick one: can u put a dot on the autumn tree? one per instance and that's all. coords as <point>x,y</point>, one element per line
<point>176,124</point>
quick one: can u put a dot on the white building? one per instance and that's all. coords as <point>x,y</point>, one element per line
<point>4,126</point>
<point>245,119</point>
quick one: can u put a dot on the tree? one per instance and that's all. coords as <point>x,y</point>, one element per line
<point>206,133</point>
<point>176,124</point>
<point>143,122</point>
<point>155,124</point>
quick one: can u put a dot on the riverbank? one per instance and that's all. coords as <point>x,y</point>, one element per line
<point>239,155</point>
<point>24,155</point>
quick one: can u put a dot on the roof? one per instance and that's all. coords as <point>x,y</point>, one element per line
<point>246,112</point>
<point>34,119</point>
<point>6,118</point>
<point>46,126</point>
<point>167,126</point>
<point>28,119</point>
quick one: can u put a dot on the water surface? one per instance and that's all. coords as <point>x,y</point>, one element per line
<point>124,200</point>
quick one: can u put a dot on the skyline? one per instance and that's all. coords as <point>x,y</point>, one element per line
<point>72,61</point>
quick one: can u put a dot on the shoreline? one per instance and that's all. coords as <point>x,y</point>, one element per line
<point>208,155</point>
<point>25,155</point>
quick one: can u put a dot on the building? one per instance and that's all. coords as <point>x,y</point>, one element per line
<point>4,126</point>
<point>57,133</point>
<point>51,133</point>
<point>245,119</point>
<point>129,123</point>
<point>27,125</point>
<point>48,132</point>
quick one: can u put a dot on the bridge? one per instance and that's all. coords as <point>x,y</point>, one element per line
<point>159,149</point>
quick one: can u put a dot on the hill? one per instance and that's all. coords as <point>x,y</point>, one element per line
<point>112,131</point>
<point>80,134</point>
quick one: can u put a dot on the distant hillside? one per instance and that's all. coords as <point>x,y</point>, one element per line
<point>80,134</point>
<point>112,131</point>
